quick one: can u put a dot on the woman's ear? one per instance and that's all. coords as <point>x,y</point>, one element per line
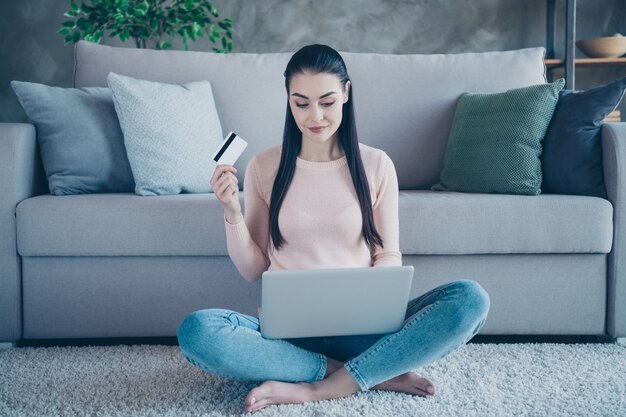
<point>345,100</point>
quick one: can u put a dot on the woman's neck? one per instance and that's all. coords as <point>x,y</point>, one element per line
<point>321,152</point>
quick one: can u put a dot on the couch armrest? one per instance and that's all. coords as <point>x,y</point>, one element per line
<point>21,177</point>
<point>614,162</point>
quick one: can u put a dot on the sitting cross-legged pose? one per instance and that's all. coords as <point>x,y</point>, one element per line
<point>322,200</point>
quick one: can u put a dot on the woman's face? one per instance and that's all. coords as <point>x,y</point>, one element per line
<point>317,100</point>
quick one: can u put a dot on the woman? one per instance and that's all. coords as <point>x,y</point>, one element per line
<point>319,180</point>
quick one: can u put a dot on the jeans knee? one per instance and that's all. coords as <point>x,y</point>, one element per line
<point>475,298</point>
<point>197,325</point>
<point>200,337</point>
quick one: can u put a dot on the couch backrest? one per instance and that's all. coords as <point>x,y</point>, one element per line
<point>404,104</point>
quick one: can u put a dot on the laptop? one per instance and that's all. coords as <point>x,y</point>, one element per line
<point>334,302</point>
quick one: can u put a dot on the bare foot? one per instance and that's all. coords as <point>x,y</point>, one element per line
<point>277,392</point>
<point>409,382</point>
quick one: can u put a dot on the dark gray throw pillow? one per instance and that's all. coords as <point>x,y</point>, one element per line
<point>79,137</point>
<point>572,150</point>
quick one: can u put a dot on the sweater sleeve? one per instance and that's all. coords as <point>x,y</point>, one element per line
<point>386,217</point>
<point>247,239</point>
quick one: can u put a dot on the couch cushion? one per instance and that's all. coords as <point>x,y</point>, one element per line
<point>404,103</point>
<point>121,224</point>
<point>431,222</point>
<point>448,222</point>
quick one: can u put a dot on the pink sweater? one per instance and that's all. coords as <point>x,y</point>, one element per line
<point>320,217</point>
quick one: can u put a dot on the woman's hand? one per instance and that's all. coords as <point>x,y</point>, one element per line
<point>224,184</point>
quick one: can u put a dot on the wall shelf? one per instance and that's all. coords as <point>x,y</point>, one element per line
<point>587,62</point>
<point>570,63</point>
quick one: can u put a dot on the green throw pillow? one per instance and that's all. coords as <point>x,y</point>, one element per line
<point>495,141</point>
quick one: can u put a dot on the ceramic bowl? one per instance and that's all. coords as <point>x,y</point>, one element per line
<point>604,47</point>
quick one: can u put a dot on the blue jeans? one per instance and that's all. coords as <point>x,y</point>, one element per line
<point>229,344</point>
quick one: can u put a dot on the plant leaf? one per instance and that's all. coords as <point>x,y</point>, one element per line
<point>81,23</point>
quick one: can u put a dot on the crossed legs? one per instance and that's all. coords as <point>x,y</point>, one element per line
<point>436,323</point>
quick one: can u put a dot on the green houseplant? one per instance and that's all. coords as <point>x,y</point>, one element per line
<point>147,20</point>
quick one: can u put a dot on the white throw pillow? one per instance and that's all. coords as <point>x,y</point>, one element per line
<point>170,133</point>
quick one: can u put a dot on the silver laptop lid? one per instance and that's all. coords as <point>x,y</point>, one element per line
<point>334,302</point>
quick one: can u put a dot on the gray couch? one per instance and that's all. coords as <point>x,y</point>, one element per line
<point>122,265</point>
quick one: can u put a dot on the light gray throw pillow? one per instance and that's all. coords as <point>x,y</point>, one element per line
<point>170,133</point>
<point>79,137</point>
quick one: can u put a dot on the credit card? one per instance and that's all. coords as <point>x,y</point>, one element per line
<point>230,150</point>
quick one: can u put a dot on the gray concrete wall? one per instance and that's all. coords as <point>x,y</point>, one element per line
<point>31,50</point>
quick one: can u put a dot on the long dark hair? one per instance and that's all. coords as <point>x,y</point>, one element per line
<point>321,59</point>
